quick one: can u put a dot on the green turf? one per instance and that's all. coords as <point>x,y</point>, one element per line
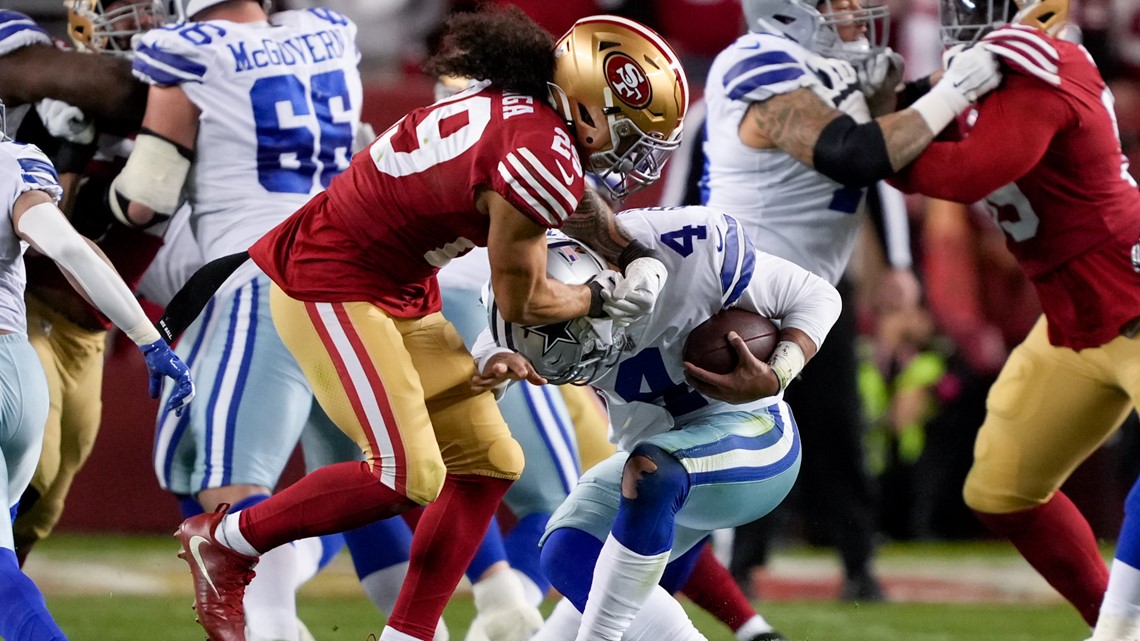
<point>115,618</point>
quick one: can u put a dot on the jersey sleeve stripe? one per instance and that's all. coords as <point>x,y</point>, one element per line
<point>1018,59</point>
<point>38,172</point>
<point>739,260</point>
<point>1042,58</point>
<point>768,78</point>
<point>545,173</point>
<point>552,208</point>
<point>164,68</point>
<point>18,31</point>
<point>768,59</point>
<point>522,192</point>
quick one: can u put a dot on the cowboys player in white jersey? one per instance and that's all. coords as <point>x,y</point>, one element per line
<point>697,451</point>
<point>29,191</point>
<point>248,115</point>
<point>791,148</point>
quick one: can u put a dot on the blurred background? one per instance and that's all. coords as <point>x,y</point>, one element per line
<point>925,371</point>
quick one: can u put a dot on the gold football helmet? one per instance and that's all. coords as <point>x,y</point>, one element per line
<point>107,27</point>
<point>621,89</point>
<point>966,21</point>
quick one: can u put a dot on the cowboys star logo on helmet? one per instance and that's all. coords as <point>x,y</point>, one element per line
<point>552,334</point>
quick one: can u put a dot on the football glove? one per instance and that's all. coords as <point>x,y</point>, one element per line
<point>634,294</point>
<point>972,72</point>
<point>65,121</point>
<point>161,362</point>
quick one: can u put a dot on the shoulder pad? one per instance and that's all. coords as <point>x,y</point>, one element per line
<point>36,171</point>
<point>175,55</point>
<point>1026,50</point>
<point>18,31</point>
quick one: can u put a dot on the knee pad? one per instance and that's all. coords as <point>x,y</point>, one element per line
<point>654,487</point>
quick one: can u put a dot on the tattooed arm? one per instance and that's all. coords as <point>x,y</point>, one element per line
<point>594,224</point>
<point>796,122</point>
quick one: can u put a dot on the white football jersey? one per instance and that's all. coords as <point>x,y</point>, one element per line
<point>22,168</point>
<point>280,103</point>
<point>712,264</point>
<point>788,208</point>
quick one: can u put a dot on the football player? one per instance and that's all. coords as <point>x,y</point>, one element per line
<point>248,115</point>
<point>791,149</point>
<point>354,293</point>
<point>29,190</point>
<point>1045,156</point>
<point>68,333</point>
<point>697,451</point>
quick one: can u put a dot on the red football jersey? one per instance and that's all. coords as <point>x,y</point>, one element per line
<point>406,205</point>
<point>1044,154</point>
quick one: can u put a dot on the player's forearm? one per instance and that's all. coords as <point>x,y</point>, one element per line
<point>594,224</point>
<point>906,136</point>
<point>540,301</point>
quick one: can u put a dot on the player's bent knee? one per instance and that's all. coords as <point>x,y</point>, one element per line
<point>425,479</point>
<point>652,475</point>
<point>982,494</point>
<point>501,458</point>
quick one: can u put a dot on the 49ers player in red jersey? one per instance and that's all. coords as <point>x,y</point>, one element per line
<point>1045,156</point>
<point>356,301</point>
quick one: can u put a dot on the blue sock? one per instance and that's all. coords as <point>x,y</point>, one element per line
<point>645,524</point>
<point>679,569</point>
<point>248,502</point>
<point>379,545</point>
<point>331,545</point>
<point>490,552</point>
<point>23,614</point>
<point>188,505</point>
<point>1128,545</point>
<point>523,551</point>
<point>568,559</point>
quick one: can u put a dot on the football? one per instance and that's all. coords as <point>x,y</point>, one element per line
<point>707,345</point>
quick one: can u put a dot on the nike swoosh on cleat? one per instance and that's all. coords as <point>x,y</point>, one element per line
<point>195,543</point>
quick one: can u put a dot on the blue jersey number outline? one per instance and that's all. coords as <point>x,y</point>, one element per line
<point>681,240</point>
<point>285,151</point>
<point>647,366</point>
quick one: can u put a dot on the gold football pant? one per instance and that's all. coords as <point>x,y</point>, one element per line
<point>72,358</point>
<point>591,425</point>
<point>1049,409</point>
<point>401,389</point>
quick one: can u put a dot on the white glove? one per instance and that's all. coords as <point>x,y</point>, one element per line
<point>634,293</point>
<point>881,72</point>
<point>65,121</point>
<point>973,72</point>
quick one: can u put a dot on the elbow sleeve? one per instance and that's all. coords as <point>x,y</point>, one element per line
<point>852,154</point>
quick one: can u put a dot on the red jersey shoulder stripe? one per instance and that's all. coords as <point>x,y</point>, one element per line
<point>533,183</point>
<point>1026,49</point>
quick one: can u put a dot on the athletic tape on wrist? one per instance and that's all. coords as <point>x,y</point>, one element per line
<point>787,362</point>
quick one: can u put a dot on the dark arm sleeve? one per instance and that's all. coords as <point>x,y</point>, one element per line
<point>1015,125</point>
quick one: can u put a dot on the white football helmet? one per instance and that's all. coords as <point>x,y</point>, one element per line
<point>107,26</point>
<point>568,352</point>
<point>615,77</point>
<point>964,22</point>
<point>845,29</point>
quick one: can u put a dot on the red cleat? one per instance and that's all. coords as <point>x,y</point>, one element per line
<point>220,576</point>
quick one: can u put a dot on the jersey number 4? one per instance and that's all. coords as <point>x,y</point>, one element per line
<point>303,134</point>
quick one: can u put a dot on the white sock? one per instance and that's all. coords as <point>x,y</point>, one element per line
<point>561,625</point>
<point>229,535</point>
<point>1120,613</point>
<point>383,586</point>
<point>531,592</point>
<point>309,553</point>
<point>623,582</point>
<point>752,627</point>
<point>270,599</point>
<point>501,589</point>
<point>662,618</point>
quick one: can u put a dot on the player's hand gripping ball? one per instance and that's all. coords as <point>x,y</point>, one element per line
<point>707,345</point>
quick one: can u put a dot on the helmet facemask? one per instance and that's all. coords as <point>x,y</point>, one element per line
<point>964,22</point>
<point>93,28</point>
<point>852,34</point>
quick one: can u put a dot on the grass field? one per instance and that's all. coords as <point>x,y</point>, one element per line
<point>132,588</point>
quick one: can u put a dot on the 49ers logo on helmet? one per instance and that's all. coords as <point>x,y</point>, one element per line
<point>627,79</point>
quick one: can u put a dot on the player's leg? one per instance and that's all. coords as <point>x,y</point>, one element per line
<point>79,355</point>
<point>482,460</point>
<point>724,470</point>
<point>1048,410</point>
<point>23,614</point>
<point>503,611</point>
<point>1120,613</point>
<point>251,409</point>
<point>40,337</point>
<point>710,586</point>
